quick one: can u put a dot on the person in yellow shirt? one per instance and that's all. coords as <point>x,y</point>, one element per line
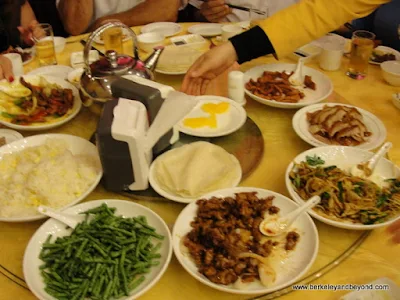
<point>280,34</point>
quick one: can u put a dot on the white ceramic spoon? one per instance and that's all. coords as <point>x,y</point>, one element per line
<point>297,77</point>
<point>366,168</point>
<point>278,226</point>
<point>70,220</point>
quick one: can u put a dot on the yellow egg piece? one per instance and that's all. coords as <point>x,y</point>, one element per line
<point>215,108</point>
<point>210,121</point>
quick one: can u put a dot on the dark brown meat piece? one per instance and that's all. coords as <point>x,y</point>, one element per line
<point>309,83</point>
<point>291,240</point>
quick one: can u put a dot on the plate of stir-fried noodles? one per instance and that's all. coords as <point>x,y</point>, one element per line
<point>347,201</point>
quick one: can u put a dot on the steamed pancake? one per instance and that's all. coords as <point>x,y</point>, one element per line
<point>196,169</point>
<point>178,59</point>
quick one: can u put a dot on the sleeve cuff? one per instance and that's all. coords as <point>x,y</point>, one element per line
<point>252,44</point>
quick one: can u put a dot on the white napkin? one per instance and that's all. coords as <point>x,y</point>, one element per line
<point>174,108</point>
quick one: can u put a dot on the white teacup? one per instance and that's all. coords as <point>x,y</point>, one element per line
<point>147,41</point>
<point>16,61</point>
<point>230,30</point>
<point>331,55</point>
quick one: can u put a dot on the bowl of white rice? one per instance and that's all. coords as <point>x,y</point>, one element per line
<point>55,170</point>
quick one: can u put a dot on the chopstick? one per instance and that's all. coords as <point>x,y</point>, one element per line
<point>83,42</point>
<point>249,9</point>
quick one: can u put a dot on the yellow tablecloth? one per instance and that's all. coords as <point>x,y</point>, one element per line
<point>376,257</point>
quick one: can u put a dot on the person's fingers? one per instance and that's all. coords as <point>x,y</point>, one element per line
<point>216,17</point>
<point>215,3</point>
<point>395,226</point>
<point>204,86</point>
<point>6,69</point>
<point>197,87</point>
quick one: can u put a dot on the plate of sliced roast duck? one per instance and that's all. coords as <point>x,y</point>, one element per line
<point>333,124</point>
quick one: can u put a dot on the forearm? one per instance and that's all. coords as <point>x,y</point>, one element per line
<point>301,23</point>
<point>76,15</point>
<point>27,15</point>
<point>148,12</point>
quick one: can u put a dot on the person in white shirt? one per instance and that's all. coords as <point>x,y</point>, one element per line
<point>79,16</point>
<point>218,11</point>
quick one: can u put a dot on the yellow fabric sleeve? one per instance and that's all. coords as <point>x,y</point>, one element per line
<point>308,20</point>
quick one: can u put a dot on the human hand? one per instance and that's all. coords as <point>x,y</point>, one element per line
<point>215,10</point>
<point>6,69</point>
<point>207,67</point>
<point>30,32</point>
<point>394,229</point>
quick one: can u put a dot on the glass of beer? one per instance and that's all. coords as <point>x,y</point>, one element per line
<point>112,38</point>
<point>362,44</point>
<point>44,44</point>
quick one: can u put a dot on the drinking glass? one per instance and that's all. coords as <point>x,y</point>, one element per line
<point>112,38</point>
<point>44,43</point>
<point>362,44</point>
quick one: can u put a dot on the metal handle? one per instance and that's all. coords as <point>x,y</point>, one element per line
<point>98,32</point>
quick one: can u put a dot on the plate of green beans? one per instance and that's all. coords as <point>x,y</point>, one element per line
<point>118,251</point>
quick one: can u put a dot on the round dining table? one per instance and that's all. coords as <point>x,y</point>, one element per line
<point>344,256</point>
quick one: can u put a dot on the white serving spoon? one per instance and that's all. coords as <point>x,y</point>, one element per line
<point>278,226</point>
<point>366,168</point>
<point>67,219</point>
<point>297,77</point>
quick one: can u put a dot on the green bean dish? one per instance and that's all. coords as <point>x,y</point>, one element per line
<point>106,256</point>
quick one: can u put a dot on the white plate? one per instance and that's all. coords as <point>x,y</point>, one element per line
<point>125,32</point>
<point>227,122</point>
<point>323,83</point>
<point>374,125</point>
<point>56,122</point>
<point>154,184</point>
<point>166,28</point>
<point>32,262</point>
<point>75,144</point>
<point>207,30</point>
<point>74,77</point>
<point>170,73</point>
<point>386,50</point>
<point>10,135</point>
<point>288,270</point>
<point>76,58</point>
<point>344,158</point>
<point>54,71</point>
<point>392,293</point>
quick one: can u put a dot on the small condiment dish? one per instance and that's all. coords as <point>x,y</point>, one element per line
<point>391,72</point>
<point>147,41</point>
<point>59,44</point>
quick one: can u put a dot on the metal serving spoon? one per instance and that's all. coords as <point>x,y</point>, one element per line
<point>366,168</point>
<point>276,227</point>
<point>67,219</point>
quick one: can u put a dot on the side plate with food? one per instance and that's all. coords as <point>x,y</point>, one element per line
<point>56,170</point>
<point>347,201</point>
<point>269,85</point>
<point>274,262</point>
<point>339,124</point>
<point>383,53</point>
<point>38,103</point>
